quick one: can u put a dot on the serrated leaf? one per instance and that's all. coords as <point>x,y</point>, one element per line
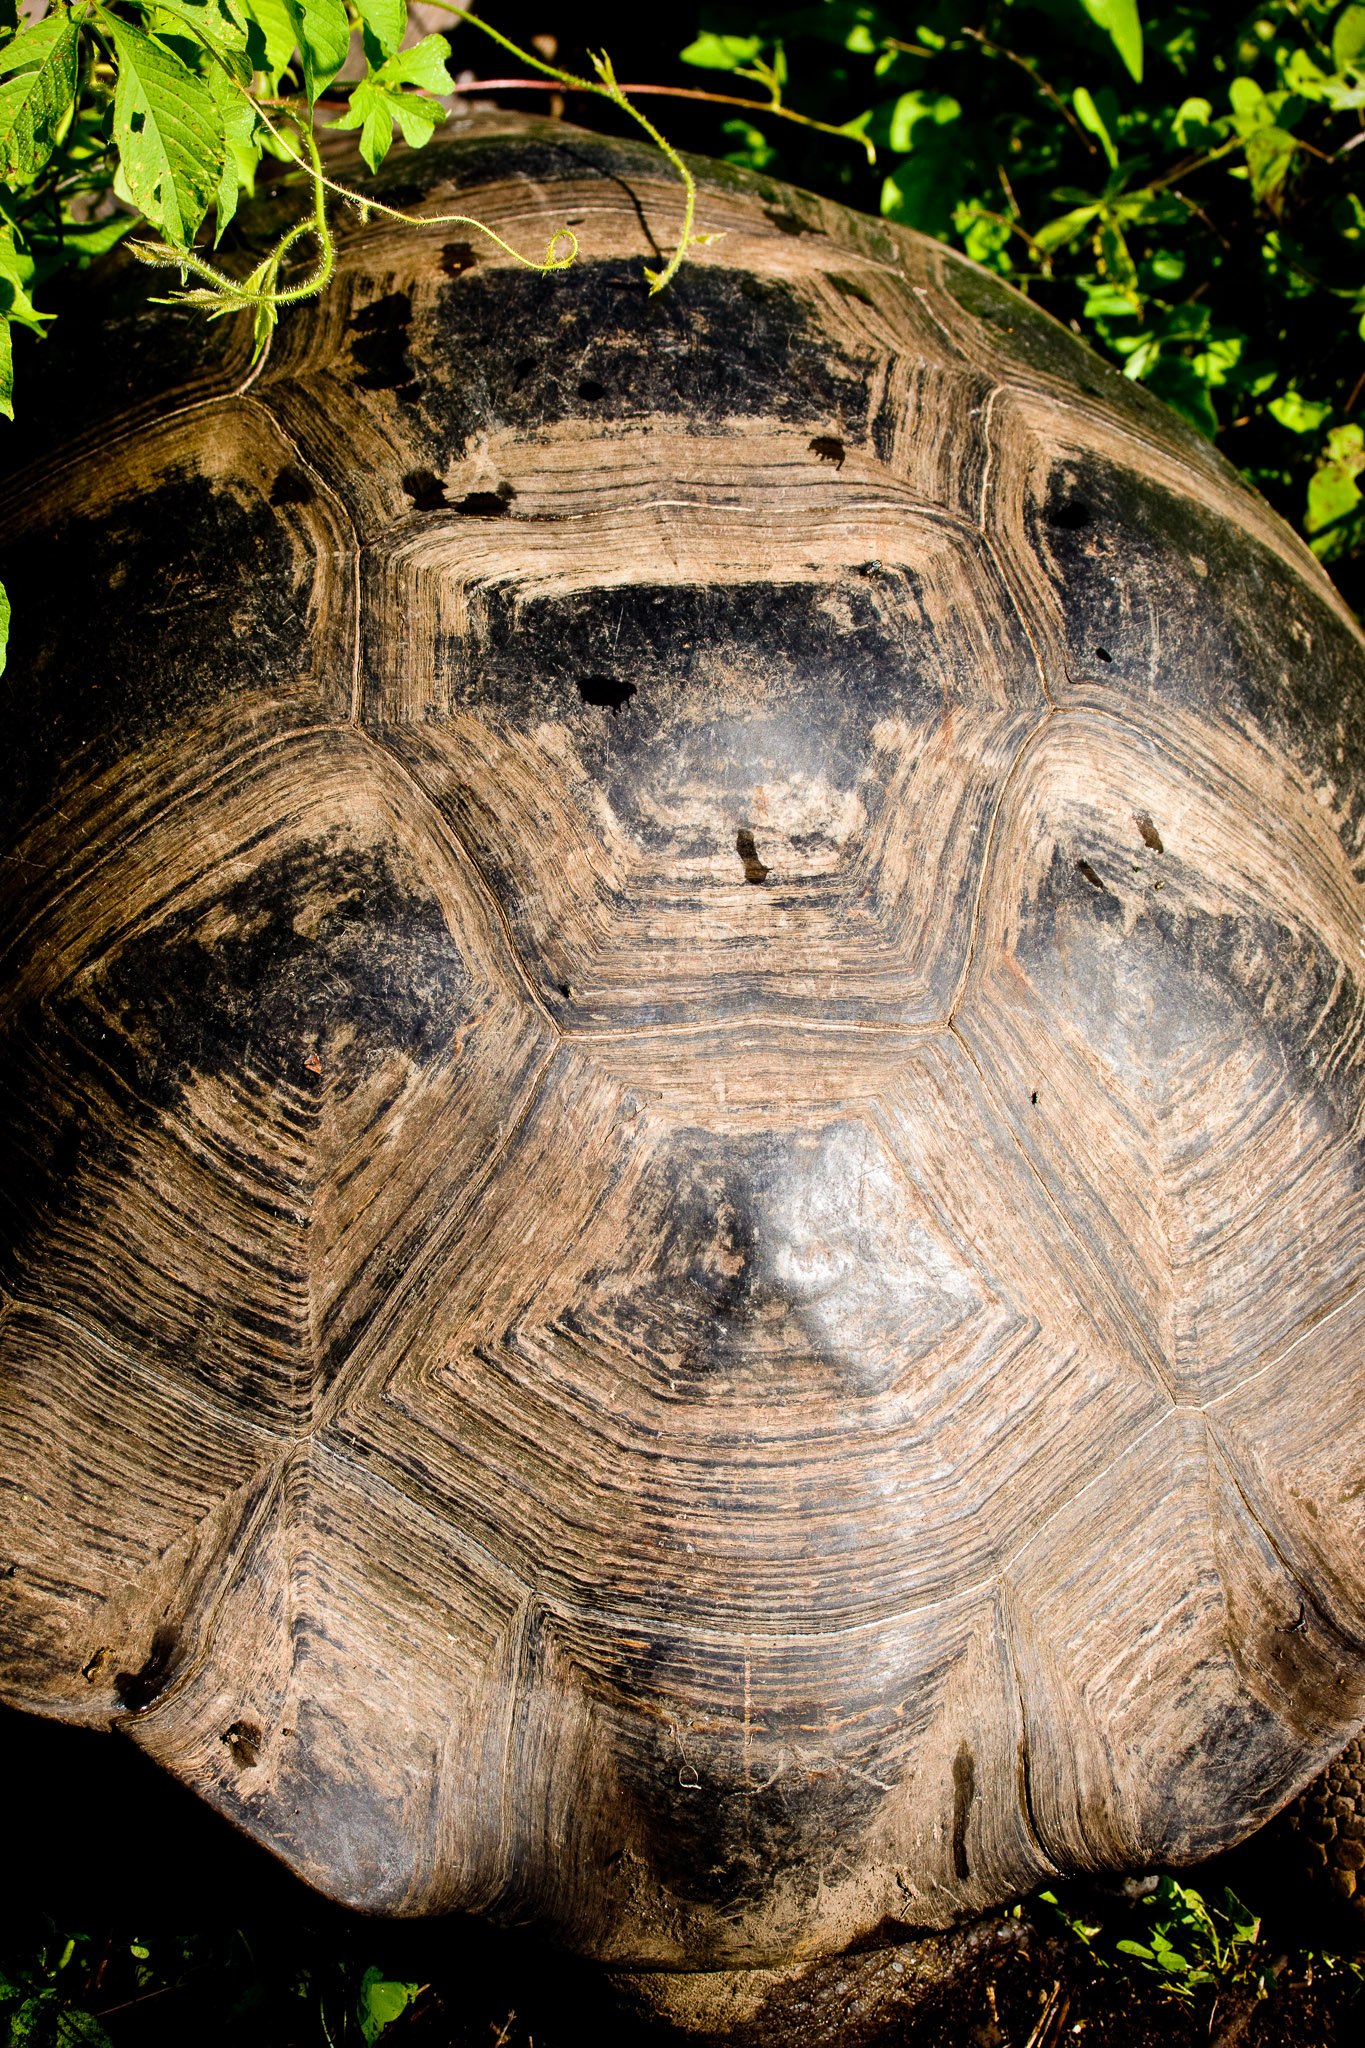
<point>322,31</point>
<point>374,109</point>
<point>34,103</point>
<point>1122,24</point>
<point>219,23</point>
<point>424,64</point>
<point>34,45</point>
<point>168,132</point>
<point>387,21</point>
<point>242,151</point>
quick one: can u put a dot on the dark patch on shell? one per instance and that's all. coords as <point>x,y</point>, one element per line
<point>380,347</point>
<point>1180,606</point>
<point>324,947</point>
<point>719,344</point>
<point>128,623</point>
<point>138,1689</point>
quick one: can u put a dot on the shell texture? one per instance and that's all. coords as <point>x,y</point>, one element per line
<point>683,1234</point>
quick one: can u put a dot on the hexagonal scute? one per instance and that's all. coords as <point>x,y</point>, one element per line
<point>702,798</point>
<point>1167,989</point>
<point>261,1054</point>
<point>682,1227</point>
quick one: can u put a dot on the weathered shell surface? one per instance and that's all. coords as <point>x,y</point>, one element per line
<point>684,1232</point>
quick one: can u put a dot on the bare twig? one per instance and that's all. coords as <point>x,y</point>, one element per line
<point>1050,91</point>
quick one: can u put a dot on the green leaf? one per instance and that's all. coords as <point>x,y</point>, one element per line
<point>218,22</point>
<point>1348,39</point>
<point>1270,158</point>
<point>1302,416</point>
<point>386,20</point>
<point>7,408</point>
<point>1091,118</point>
<point>1135,1948</point>
<point>242,153</point>
<point>34,104</point>
<point>167,130</point>
<point>1174,380</point>
<point>424,64</point>
<point>1116,262</point>
<point>926,186</point>
<point>85,243</point>
<point>1333,492</point>
<point>1066,227</point>
<point>16,274</point>
<point>1193,124</point>
<point>323,34</point>
<point>382,2000</point>
<point>1120,21</point>
<point>722,53</point>
<point>1250,107</point>
<point>270,37</point>
<point>754,152</point>
<point>380,99</point>
<point>912,108</point>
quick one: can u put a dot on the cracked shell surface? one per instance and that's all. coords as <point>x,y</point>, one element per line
<point>683,1208</point>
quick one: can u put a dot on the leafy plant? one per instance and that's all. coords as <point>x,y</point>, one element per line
<point>1183,188</point>
<point>57,1988</point>
<point>160,113</point>
<point>1195,1947</point>
<point>1190,1945</point>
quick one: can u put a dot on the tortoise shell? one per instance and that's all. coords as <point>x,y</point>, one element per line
<point>684,1231</point>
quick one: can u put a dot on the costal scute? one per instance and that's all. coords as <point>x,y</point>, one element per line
<point>683,1068</point>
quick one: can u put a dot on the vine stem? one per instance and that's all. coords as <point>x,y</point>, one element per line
<point>606,87</point>
<point>675,92</point>
<point>367,206</point>
<point>260,288</point>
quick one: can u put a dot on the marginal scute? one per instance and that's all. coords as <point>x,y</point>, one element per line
<point>682,1084</point>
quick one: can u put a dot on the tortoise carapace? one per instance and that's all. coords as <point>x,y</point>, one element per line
<point>683,1235</point>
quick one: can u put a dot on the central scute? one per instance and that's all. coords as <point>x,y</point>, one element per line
<point>790,1267</point>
